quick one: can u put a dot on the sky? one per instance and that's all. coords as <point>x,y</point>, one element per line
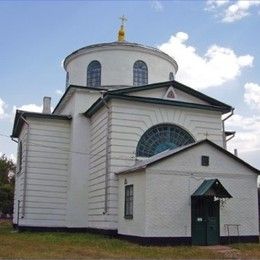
<point>215,43</point>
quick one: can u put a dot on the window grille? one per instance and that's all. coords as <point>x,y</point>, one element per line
<point>140,72</point>
<point>94,74</point>
<point>129,201</point>
<point>160,138</point>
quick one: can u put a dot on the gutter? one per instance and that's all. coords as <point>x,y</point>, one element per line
<point>107,158</point>
<point>223,128</point>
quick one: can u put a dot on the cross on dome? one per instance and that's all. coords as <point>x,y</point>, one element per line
<point>123,19</point>
<point>121,32</point>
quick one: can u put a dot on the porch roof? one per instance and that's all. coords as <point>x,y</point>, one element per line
<point>212,187</point>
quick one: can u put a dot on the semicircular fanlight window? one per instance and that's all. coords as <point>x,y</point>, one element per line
<point>160,138</point>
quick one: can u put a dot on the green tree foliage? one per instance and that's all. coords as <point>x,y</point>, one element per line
<point>7,169</point>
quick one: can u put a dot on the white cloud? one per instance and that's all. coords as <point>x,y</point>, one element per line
<point>252,95</point>
<point>217,66</point>
<point>3,106</point>
<point>212,4</point>
<point>13,157</point>
<point>239,10</point>
<point>157,6</point>
<point>59,92</point>
<point>236,10</point>
<point>247,133</point>
<point>29,107</point>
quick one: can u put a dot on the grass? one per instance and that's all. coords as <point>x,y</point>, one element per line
<point>62,245</point>
<point>49,245</point>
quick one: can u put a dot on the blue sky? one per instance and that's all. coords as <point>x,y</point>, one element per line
<point>216,44</point>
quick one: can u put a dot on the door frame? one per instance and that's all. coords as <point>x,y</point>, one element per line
<point>206,202</point>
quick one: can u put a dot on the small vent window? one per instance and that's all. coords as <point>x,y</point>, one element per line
<point>204,160</point>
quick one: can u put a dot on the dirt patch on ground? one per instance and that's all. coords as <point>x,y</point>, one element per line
<point>227,251</point>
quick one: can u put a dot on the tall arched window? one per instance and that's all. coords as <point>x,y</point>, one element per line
<point>94,74</point>
<point>140,72</point>
<point>171,76</point>
<point>160,138</point>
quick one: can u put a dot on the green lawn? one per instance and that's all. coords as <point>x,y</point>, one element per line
<point>49,245</point>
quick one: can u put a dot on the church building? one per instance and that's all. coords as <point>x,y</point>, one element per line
<point>130,151</point>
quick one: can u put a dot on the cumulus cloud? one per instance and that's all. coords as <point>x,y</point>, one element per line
<point>29,107</point>
<point>236,10</point>
<point>212,4</point>
<point>252,95</point>
<point>3,106</point>
<point>247,133</point>
<point>157,6</point>
<point>217,66</point>
<point>239,10</point>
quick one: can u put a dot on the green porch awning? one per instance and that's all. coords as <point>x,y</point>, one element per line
<point>211,187</point>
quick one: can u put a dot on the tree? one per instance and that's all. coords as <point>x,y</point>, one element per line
<point>7,168</point>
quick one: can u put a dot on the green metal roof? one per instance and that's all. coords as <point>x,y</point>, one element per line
<point>211,187</point>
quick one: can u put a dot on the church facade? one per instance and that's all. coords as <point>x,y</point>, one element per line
<point>130,151</point>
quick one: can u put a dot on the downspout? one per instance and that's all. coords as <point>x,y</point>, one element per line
<point>25,165</point>
<point>223,128</point>
<point>107,158</point>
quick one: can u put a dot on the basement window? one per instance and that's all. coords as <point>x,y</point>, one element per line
<point>129,200</point>
<point>204,160</point>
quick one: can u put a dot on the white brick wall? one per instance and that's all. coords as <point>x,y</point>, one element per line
<point>170,183</point>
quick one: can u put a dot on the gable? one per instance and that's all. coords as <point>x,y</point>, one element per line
<point>163,93</point>
<point>220,162</point>
<point>189,92</point>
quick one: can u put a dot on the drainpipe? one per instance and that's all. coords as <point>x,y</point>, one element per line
<point>107,158</point>
<point>223,128</point>
<point>25,165</point>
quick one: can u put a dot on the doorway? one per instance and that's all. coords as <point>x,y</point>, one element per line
<point>205,220</point>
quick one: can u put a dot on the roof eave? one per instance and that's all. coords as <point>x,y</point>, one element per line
<point>20,114</point>
<point>100,103</point>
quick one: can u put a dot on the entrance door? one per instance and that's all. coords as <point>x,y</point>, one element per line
<point>205,221</point>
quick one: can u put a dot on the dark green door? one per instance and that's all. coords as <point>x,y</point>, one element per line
<point>205,221</point>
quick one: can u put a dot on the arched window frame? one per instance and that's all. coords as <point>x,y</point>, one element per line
<point>171,76</point>
<point>94,74</point>
<point>140,73</point>
<point>67,79</point>
<point>162,137</point>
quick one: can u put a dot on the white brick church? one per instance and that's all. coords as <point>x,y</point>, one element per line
<point>130,151</point>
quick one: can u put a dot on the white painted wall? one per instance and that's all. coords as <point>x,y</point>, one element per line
<point>171,182</point>
<point>135,226</point>
<point>123,138</point>
<point>79,178</point>
<point>47,173</point>
<point>130,120</point>
<point>117,64</point>
<point>160,93</point>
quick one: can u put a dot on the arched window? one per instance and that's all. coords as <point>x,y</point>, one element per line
<point>171,76</point>
<point>94,74</point>
<point>140,72</point>
<point>160,138</point>
<point>67,80</point>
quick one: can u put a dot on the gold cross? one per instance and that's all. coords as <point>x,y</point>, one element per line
<point>123,19</point>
